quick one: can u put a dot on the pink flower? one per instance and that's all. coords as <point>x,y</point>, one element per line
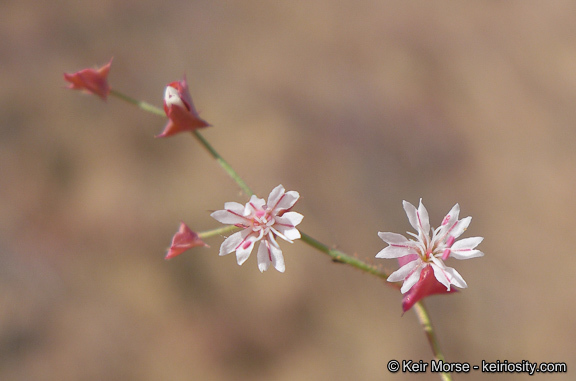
<point>183,240</point>
<point>180,110</point>
<point>424,256</point>
<point>261,221</point>
<point>94,81</point>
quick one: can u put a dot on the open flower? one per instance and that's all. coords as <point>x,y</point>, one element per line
<point>423,256</point>
<point>94,81</point>
<point>180,110</point>
<point>183,240</point>
<point>261,221</point>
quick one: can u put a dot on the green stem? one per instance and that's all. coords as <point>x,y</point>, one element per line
<point>223,163</point>
<point>340,257</point>
<point>336,255</point>
<point>426,323</point>
<point>143,105</point>
<point>218,231</point>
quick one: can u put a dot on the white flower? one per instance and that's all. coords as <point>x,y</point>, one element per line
<point>261,221</point>
<point>425,251</point>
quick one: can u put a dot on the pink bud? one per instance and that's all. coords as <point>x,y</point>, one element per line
<point>180,110</point>
<point>94,81</point>
<point>183,240</point>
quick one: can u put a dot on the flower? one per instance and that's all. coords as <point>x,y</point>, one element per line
<point>424,256</point>
<point>94,81</point>
<point>180,110</point>
<point>183,240</point>
<point>261,221</point>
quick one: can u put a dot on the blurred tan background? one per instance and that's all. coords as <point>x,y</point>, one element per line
<point>358,105</point>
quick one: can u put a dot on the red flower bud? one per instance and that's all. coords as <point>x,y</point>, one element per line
<point>183,240</point>
<point>94,81</point>
<point>180,110</point>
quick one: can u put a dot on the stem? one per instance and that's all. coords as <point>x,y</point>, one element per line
<point>223,163</point>
<point>340,257</point>
<point>143,105</point>
<point>219,231</point>
<point>426,323</point>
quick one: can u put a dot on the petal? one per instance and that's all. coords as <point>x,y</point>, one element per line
<point>290,219</point>
<point>279,199</point>
<point>287,233</point>
<point>231,243</point>
<point>393,238</point>
<point>418,217</point>
<point>242,242</point>
<point>412,279</point>
<point>234,207</point>
<point>399,246</point>
<point>448,222</point>
<point>467,243</point>
<point>244,250</point>
<point>455,278</point>
<point>172,98</point>
<point>394,251</point>
<point>254,205</point>
<point>412,214</point>
<point>285,225</point>
<point>466,254</point>
<point>181,120</point>
<point>290,198</point>
<point>447,275</point>
<point>184,93</point>
<point>230,216</point>
<point>403,272</point>
<point>459,228</point>
<point>465,248</point>
<point>264,256</point>
<point>277,259</point>
<point>440,273</point>
<point>275,195</point>
<point>452,216</point>
<point>423,219</point>
<point>270,253</point>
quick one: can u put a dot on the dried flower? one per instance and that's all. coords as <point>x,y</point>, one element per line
<point>183,240</point>
<point>94,81</point>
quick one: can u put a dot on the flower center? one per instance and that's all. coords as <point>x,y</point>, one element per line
<point>426,254</point>
<point>262,220</point>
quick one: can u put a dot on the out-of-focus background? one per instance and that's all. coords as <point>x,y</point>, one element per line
<point>358,105</point>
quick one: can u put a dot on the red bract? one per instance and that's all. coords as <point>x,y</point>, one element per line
<point>427,285</point>
<point>94,81</point>
<point>180,110</point>
<point>183,240</point>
